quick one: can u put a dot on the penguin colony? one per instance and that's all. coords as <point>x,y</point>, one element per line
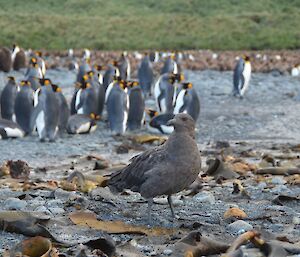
<point>35,105</point>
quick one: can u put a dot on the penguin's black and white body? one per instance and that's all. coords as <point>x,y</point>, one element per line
<point>18,58</point>
<point>5,59</point>
<point>124,67</point>
<point>10,129</point>
<point>165,91</point>
<point>136,113</point>
<point>145,75</point>
<point>111,86</point>
<point>241,76</point>
<point>86,99</point>
<point>170,65</point>
<point>8,98</point>
<point>117,108</point>
<point>154,56</point>
<point>110,74</point>
<point>187,101</point>
<point>81,124</point>
<point>45,115</point>
<point>24,106</point>
<point>158,122</point>
<point>64,111</point>
<point>71,60</point>
<point>41,63</point>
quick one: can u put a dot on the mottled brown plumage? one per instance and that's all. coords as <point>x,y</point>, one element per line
<point>166,169</point>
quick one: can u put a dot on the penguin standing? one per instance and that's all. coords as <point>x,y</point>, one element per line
<point>110,73</point>
<point>124,67</point>
<point>165,91</point>
<point>170,65</point>
<point>33,74</point>
<point>24,106</point>
<point>158,122</point>
<point>64,111</point>
<point>81,124</point>
<point>136,114</point>
<point>18,58</point>
<point>241,76</point>
<point>145,75</point>
<point>187,101</point>
<point>117,108</point>
<point>86,99</point>
<point>71,60</point>
<point>10,129</point>
<point>8,98</point>
<point>41,63</point>
<point>45,115</point>
<point>5,59</point>
<point>83,69</point>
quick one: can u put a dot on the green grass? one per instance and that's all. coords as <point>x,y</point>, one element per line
<point>151,24</point>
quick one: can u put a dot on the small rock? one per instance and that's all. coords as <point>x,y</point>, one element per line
<point>205,197</point>
<point>296,220</point>
<point>62,194</point>
<point>100,165</point>
<point>261,185</point>
<point>57,210</point>
<point>14,204</point>
<point>278,180</point>
<point>122,149</point>
<point>167,252</point>
<point>281,189</point>
<point>42,209</point>
<point>222,144</point>
<point>54,203</point>
<point>235,213</point>
<point>239,227</point>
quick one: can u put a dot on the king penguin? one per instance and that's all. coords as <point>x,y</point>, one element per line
<point>10,129</point>
<point>111,72</point>
<point>45,115</point>
<point>41,63</point>
<point>145,75</point>
<point>33,74</point>
<point>86,99</point>
<point>81,124</point>
<point>170,65</point>
<point>24,106</point>
<point>83,69</point>
<point>158,122</point>
<point>5,59</point>
<point>64,111</point>
<point>124,67</point>
<point>18,58</point>
<point>117,108</point>
<point>165,91</point>
<point>241,76</point>
<point>187,101</point>
<point>8,98</point>
<point>136,114</point>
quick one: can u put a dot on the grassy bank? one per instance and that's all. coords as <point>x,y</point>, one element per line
<point>145,24</point>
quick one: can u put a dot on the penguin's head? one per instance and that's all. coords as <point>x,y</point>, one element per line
<point>187,85</point>
<point>123,84</point>
<point>77,85</point>
<point>176,77</point>
<point>92,116</point>
<point>38,53</point>
<point>56,88</point>
<point>11,78</point>
<point>85,77</point>
<point>86,85</point>
<point>25,83</point>
<point>151,113</point>
<point>90,73</point>
<point>173,56</point>
<point>124,54</point>
<point>45,82</point>
<point>246,58</point>
<point>98,67</point>
<point>117,78</point>
<point>115,63</point>
<point>132,84</point>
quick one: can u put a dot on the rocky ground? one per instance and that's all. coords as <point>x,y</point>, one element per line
<point>252,138</point>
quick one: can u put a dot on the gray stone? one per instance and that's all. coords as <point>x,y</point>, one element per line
<point>277,180</point>
<point>167,252</point>
<point>14,204</point>
<point>205,197</point>
<point>239,227</point>
<point>56,210</point>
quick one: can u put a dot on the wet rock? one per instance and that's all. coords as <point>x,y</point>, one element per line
<point>222,144</point>
<point>278,180</point>
<point>205,197</point>
<point>56,210</point>
<point>167,252</point>
<point>14,204</point>
<point>62,194</point>
<point>239,227</point>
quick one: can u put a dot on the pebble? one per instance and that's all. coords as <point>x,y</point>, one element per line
<point>262,185</point>
<point>239,227</point>
<point>281,189</point>
<point>54,203</point>
<point>42,209</point>
<point>278,180</point>
<point>296,220</point>
<point>56,210</point>
<point>14,204</point>
<point>205,197</point>
<point>167,252</point>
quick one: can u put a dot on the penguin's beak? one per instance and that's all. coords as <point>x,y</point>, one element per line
<point>171,122</point>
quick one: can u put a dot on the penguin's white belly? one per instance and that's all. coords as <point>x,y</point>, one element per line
<point>167,129</point>
<point>175,70</point>
<point>43,68</point>
<point>36,97</point>
<point>40,123</point>
<point>174,95</point>
<point>125,118</point>
<point>117,72</point>
<point>179,101</point>
<point>157,89</point>
<point>83,128</point>
<point>77,99</point>
<point>295,72</point>
<point>14,132</point>
<point>93,128</point>
<point>14,118</point>
<point>109,88</point>
<point>128,71</point>
<point>100,78</point>
<point>246,75</point>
